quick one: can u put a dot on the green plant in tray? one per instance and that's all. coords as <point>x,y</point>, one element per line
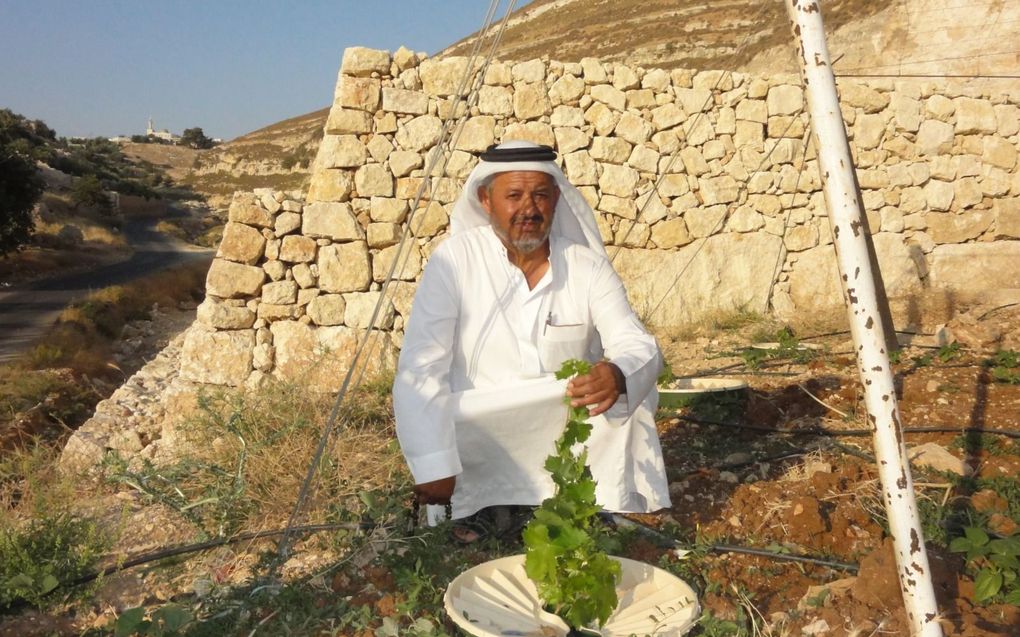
<point>566,551</point>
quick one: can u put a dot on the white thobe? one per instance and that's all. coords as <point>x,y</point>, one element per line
<point>474,396</point>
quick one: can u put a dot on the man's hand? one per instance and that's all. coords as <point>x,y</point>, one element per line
<point>600,387</point>
<point>436,492</point>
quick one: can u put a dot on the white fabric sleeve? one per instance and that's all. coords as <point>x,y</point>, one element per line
<point>626,342</point>
<point>421,389</point>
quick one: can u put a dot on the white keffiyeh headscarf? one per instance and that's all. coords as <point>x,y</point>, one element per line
<point>573,218</point>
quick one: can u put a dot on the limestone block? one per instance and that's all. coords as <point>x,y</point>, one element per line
<point>330,220</point>
<point>398,100</point>
<point>744,219</point>
<point>405,59</point>
<point>441,76</point>
<point>698,130</point>
<point>610,149</point>
<point>569,139</point>
<point>612,97</point>
<point>1008,118</point>
<point>605,226</point>
<point>1007,218</point>
<point>717,190</point>
<point>530,71</point>
<point>906,112</point>
<point>303,275</point>
<point>631,234</point>
<point>269,312</point>
<point>877,178</point>
<point>726,122</point>
<point>286,222</point>
<point>580,168</point>
<point>601,117</point>
<point>279,293</point>
<point>362,62</point>
<point>651,208</point>
<point>934,137</point>
<point>461,164</point>
<point>674,185</point>
<point>727,275</point>
<point>800,238</point>
<point>640,99</point>
<point>402,162</point>
<point>633,128</point>
<point>361,93</point>
<point>656,80</point>
<point>241,243</point>
<point>998,152</point>
<point>694,162</point>
<point>298,249</point>
<point>379,148</point>
<point>667,116</point>
<point>273,249</point>
<point>531,101</point>
<point>957,228</point>
<point>348,121</point>
<point>373,180</point>
<point>943,168</point>
<point>644,159</point>
<point>244,208</point>
<point>976,267</point>
<point>221,316</point>
<point>995,182</point>
<point>331,185</point>
<point>784,99</point>
<point>382,235</point>
<point>275,269</point>
<point>974,116</point>
<point>705,220</point>
<point>749,134</point>
<point>939,195</point>
<point>868,131</point>
<point>388,210</point>
<point>319,356</point>
<point>715,80</point>
<point>495,100</point>
<point>863,97</point>
<point>566,90</point>
<point>567,116</point>
<point>217,358</point>
<point>666,141</point>
<point>671,233</point>
<point>227,279</point>
<point>327,309</point>
<point>477,134</point>
<point>618,206</point>
<point>262,357</point>
<point>940,108</point>
<point>344,267</point>
<point>536,132</point>
<point>791,126</point>
<point>408,258</point>
<point>594,72</point>
<point>695,100</point>
<point>967,192</point>
<point>419,133</point>
<point>752,111</point>
<point>625,78</point>
<point>498,74</point>
<point>341,151</point>
<point>430,221</point>
<point>360,307</point>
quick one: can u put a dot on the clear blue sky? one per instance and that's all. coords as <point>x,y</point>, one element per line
<point>102,67</point>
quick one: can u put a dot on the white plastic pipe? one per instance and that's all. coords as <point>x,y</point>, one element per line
<point>843,200</point>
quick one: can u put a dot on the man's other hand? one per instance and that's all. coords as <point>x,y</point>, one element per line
<point>599,389</point>
<point>436,492</point>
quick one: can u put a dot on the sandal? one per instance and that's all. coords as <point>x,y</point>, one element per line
<point>500,522</point>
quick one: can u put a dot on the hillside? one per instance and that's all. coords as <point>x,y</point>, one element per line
<point>277,156</point>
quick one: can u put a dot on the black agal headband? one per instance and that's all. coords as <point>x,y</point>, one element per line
<point>532,153</point>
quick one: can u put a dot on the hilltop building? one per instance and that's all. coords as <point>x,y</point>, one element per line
<point>164,134</point>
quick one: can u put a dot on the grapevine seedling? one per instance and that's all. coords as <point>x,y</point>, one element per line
<point>566,556</point>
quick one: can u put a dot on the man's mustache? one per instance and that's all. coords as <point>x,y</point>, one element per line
<point>520,219</point>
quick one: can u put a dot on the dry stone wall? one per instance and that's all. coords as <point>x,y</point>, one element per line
<point>705,187</point>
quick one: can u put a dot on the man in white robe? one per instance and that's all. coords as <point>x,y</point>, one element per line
<point>523,283</point>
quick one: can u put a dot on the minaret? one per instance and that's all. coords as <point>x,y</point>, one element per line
<point>150,130</point>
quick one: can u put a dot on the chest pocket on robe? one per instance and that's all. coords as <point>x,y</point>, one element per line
<point>562,342</point>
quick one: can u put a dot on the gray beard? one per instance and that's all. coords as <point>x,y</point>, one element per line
<point>524,246</point>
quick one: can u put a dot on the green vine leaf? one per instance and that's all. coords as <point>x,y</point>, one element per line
<point>987,584</point>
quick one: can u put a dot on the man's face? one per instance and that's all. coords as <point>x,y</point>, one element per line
<point>521,206</point>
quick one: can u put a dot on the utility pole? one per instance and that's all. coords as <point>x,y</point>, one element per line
<point>846,218</point>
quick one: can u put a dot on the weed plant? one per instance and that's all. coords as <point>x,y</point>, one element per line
<point>1005,367</point>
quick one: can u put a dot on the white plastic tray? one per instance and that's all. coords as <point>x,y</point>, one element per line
<point>496,599</point>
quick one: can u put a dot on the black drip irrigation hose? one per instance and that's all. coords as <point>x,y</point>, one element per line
<point>664,541</point>
<point>818,431</point>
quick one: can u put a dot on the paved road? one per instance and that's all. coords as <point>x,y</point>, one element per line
<point>27,310</point>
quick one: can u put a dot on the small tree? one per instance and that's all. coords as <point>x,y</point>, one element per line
<point>20,188</point>
<point>88,191</point>
<point>195,138</point>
